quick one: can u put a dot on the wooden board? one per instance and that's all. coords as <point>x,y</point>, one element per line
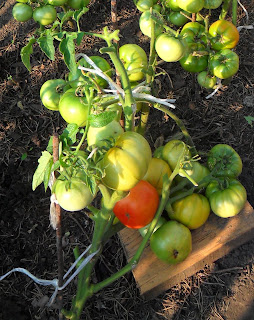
<point>213,240</point>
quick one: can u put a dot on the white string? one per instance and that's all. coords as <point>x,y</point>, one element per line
<point>244,9</point>
<point>215,90</point>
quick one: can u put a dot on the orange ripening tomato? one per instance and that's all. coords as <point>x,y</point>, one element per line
<point>138,208</point>
<point>225,35</point>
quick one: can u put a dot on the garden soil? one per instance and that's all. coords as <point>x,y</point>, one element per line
<point>222,290</point>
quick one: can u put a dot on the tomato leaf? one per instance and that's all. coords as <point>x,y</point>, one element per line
<point>67,48</point>
<point>26,53</point>
<point>64,16</point>
<point>50,145</point>
<point>44,161</point>
<point>69,134</point>
<point>91,184</point>
<point>80,37</point>
<point>101,119</point>
<point>79,13</point>
<point>46,44</point>
<point>47,173</point>
<point>250,120</point>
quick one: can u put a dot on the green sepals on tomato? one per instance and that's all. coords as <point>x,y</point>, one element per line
<point>22,12</point>
<point>138,208</point>
<point>192,6</point>
<point>127,162</point>
<point>45,15</point>
<point>73,109</point>
<point>169,48</point>
<point>224,35</point>
<point>172,242</point>
<point>73,194</point>
<point>206,80</point>
<point>224,64</point>
<point>192,211</point>
<point>134,60</point>
<point>224,161</point>
<point>51,92</point>
<point>227,197</point>
<point>145,23</point>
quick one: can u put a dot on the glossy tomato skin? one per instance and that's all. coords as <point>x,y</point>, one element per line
<point>224,161</point>
<point>156,170</point>
<point>172,4</point>
<point>145,22</point>
<point>227,198</point>
<point>144,5</point>
<point>172,151</point>
<point>51,92</point>
<point>73,109</point>
<point>138,208</point>
<point>177,18</point>
<point>192,6</point>
<point>72,196</point>
<point>77,4</point>
<point>168,48</point>
<point>22,12</point>
<point>133,57</point>
<point>212,4</point>
<point>172,242</point>
<point>127,162</point>
<point>206,80</point>
<point>224,64</point>
<point>45,15</point>
<point>97,136</point>
<point>224,35</point>
<point>192,211</point>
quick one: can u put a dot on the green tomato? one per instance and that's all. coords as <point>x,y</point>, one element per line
<point>157,7</point>
<point>206,80</point>
<point>45,15</point>
<point>97,136</point>
<point>22,1</point>
<point>193,33</point>
<point>177,18</point>
<point>134,60</point>
<point>51,92</point>
<point>212,4</point>
<point>168,48</point>
<point>192,211</point>
<point>145,23</point>
<point>77,4</point>
<point>227,198</point>
<point>192,62</point>
<point>73,195</point>
<point>173,150</point>
<point>57,2</point>
<point>224,161</point>
<point>73,109</point>
<point>144,5</point>
<point>192,6</point>
<point>143,231</point>
<point>224,64</point>
<point>127,162</point>
<point>172,242</point>
<point>22,12</point>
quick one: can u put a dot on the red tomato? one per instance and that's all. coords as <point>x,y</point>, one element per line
<point>138,208</point>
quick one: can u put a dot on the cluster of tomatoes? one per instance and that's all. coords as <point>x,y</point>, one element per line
<point>202,49</point>
<point>44,12</point>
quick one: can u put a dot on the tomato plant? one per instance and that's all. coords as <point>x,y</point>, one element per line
<point>224,64</point>
<point>224,35</point>
<point>22,12</point>
<point>73,109</point>
<point>73,195</point>
<point>134,59</point>
<point>178,19</point>
<point>51,92</point>
<point>45,15</point>
<point>127,162</point>
<point>192,211</point>
<point>172,242</point>
<point>169,48</point>
<point>138,208</point>
<point>226,197</point>
<point>224,161</point>
<point>156,170</point>
<point>143,231</point>
<point>145,22</point>
<point>192,6</point>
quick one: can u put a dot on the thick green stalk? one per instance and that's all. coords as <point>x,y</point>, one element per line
<point>234,11</point>
<point>181,126</point>
<point>225,8</point>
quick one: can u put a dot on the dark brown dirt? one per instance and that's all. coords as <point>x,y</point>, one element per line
<point>223,290</point>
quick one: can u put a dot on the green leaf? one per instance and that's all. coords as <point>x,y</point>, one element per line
<point>55,166</point>
<point>47,174</point>
<point>69,134</point>
<point>47,45</point>
<point>91,184</point>
<point>101,119</point>
<point>24,156</point>
<point>50,145</point>
<point>79,13</point>
<point>26,53</point>
<point>67,48</point>
<point>66,16</point>
<point>80,37</point>
<point>44,161</point>
<point>249,119</point>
